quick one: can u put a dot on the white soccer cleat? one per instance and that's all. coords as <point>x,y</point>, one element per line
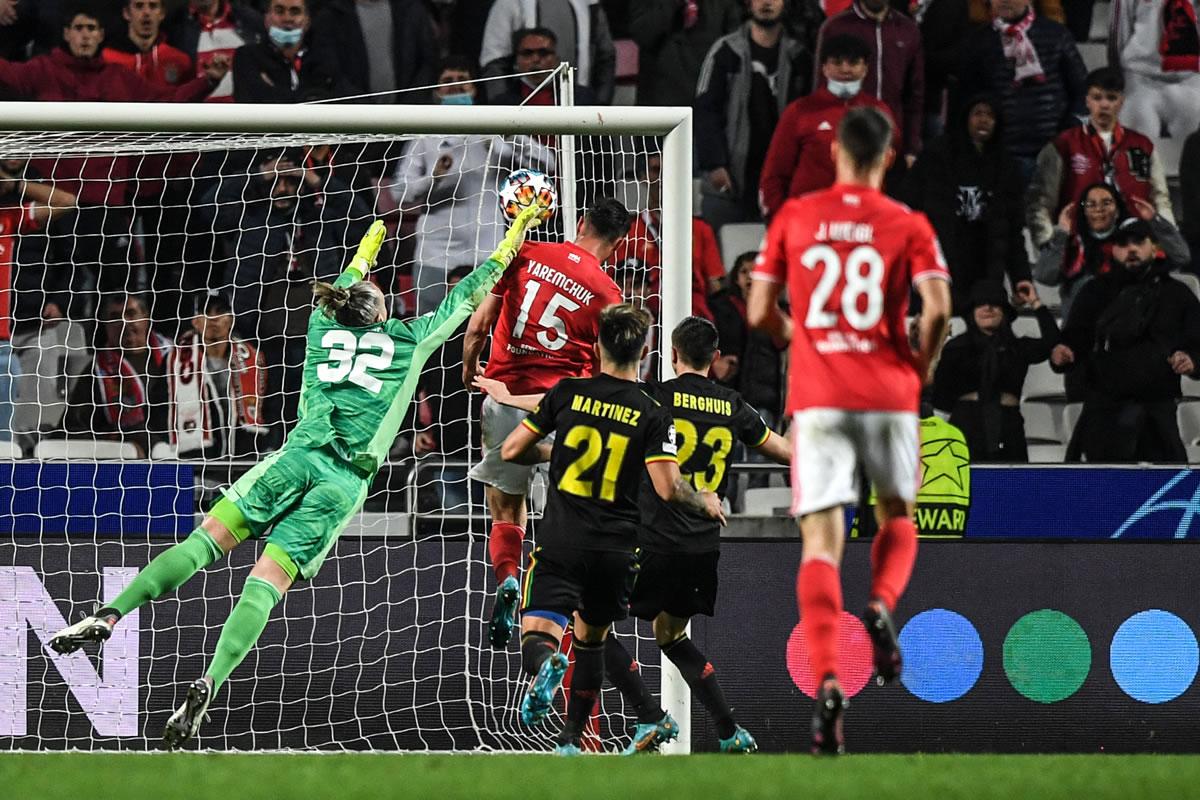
<point>185,722</point>
<point>88,629</point>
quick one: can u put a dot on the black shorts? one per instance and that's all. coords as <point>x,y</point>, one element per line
<point>681,584</point>
<point>596,583</point>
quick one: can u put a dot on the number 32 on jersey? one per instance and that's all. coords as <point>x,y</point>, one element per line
<point>352,358</point>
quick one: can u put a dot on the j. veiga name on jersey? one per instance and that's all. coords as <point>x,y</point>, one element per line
<point>858,232</point>
<point>556,278</point>
<point>599,408</point>
<point>839,342</point>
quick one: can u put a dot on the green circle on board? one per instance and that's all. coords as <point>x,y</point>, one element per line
<point>1047,656</point>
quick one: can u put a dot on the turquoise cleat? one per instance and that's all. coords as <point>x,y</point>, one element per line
<point>647,737</point>
<point>504,612</point>
<point>567,749</point>
<point>740,742</point>
<point>535,705</point>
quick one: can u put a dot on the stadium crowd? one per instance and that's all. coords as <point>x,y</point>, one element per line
<point>1050,187</point>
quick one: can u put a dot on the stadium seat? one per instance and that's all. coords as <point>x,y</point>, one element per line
<point>1100,16</point>
<point>1188,278</point>
<point>1042,422</point>
<point>84,450</point>
<point>768,502</point>
<point>1070,417</point>
<point>164,451</point>
<point>958,326</point>
<point>1095,54</point>
<point>1190,387</point>
<point>1047,453</point>
<point>1026,326</point>
<point>1169,150</point>
<point>738,238</point>
<point>1043,383</point>
<point>10,451</point>
<point>1187,414</point>
<point>1049,296</point>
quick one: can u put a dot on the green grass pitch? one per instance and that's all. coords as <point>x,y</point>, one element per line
<point>90,776</point>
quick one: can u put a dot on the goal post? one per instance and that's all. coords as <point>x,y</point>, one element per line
<point>84,129</point>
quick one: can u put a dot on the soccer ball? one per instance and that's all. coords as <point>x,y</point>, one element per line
<point>523,188</point>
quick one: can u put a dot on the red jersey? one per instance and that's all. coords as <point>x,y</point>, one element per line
<point>161,65</point>
<point>13,221</point>
<point>850,256</point>
<point>551,299</point>
<point>642,245</point>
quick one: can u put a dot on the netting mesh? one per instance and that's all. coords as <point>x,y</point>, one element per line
<point>160,293</point>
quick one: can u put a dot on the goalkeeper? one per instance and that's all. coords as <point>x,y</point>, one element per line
<point>360,371</point>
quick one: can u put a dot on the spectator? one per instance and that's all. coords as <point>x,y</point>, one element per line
<point>125,397</point>
<point>444,431</point>
<point>284,68</point>
<point>897,65</point>
<point>641,249</point>
<point>799,158</point>
<point>1156,44</point>
<point>76,72</point>
<point>579,30</point>
<point>944,26</point>
<point>1032,65</point>
<point>747,79</point>
<point>1099,150</point>
<point>216,384</point>
<point>1189,194</point>
<point>1080,247</point>
<point>144,49</point>
<point>536,51</point>
<point>450,181</point>
<point>55,358</point>
<point>34,27</point>
<point>380,47</point>
<point>278,229</point>
<point>209,29</point>
<point>673,37</point>
<point>982,372</point>
<point>1133,332</point>
<point>968,187</point>
<point>981,12</point>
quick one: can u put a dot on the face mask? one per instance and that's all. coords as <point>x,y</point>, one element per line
<point>844,90</point>
<point>463,99</point>
<point>284,37</point>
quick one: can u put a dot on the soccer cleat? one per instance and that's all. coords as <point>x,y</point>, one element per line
<point>566,749</point>
<point>504,612</point>
<point>88,629</point>
<point>539,696</point>
<point>647,737</point>
<point>740,742</point>
<point>183,724</point>
<point>827,720</point>
<point>882,631</point>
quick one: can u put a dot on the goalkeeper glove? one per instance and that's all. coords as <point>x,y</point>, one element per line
<point>368,249</point>
<point>515,237</point>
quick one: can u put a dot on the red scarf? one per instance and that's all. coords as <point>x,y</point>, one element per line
<point>1019,50</point>
<point>122,392</point>
<point>1179,44</point>
<point>195,414</point>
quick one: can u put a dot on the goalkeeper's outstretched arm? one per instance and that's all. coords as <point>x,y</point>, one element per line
<point>365,257</point>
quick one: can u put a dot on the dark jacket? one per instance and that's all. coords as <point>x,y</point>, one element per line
<point>760,374</point>
<point>670,56</point>
<point>1189,191</point>
<point>261,74</point>
<point>897,70</point>
<point>974,201</point>
<point>990,366</point>
<point>337,34</point>
<point>1033,112</point>
<point>722,105</point>
<point>944,25</point>
<point>183,28</point>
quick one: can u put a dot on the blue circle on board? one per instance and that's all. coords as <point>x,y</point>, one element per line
<point>1154,656</point>
<point>943,655</point>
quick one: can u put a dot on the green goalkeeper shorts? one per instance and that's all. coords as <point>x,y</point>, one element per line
<point>301,499</point>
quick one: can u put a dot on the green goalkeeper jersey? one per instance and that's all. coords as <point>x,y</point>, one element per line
<point>358,382</point>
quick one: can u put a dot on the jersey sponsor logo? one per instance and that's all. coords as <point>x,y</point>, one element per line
<point>555,278</point>
<point>858,232</point>
<point>710,405</point>
<point>841,342</point>
<point>598,408</point>
<point>525,350</point>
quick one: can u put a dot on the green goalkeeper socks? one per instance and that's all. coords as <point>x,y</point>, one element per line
<point>168,571</point>
<point>242,629</point>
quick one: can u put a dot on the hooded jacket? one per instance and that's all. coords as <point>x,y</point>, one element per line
<point>973,199</point>
<point>338,35</point>
<point>670,54</point>
<point>897,73</point>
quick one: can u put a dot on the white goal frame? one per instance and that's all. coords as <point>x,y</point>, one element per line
<point>674,124</point>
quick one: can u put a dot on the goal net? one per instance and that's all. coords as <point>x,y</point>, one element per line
<point>160,260</point>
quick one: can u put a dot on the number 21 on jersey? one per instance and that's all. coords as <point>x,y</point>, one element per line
<point>861,301</point>
<point>351,357</point>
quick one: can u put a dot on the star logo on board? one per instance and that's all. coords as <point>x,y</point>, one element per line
<point>945,459</point>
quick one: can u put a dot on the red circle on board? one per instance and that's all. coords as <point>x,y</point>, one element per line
<point>855,660</point>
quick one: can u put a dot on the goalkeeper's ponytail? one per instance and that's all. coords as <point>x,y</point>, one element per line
<point>354,307</point>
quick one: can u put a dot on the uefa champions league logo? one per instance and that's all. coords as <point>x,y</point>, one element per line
<point>1162,501</point>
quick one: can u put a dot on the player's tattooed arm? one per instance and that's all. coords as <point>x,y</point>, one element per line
<point>499,392</point>
<point>674,488</point>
